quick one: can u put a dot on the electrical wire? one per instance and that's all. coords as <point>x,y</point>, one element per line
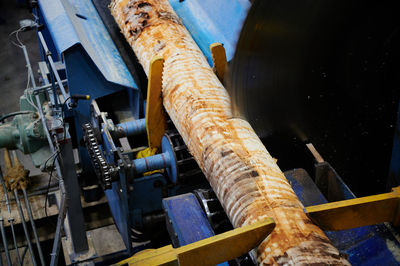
<point>16,33</point>
<point>4,117</point>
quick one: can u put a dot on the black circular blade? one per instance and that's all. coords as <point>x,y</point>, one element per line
<point>325,72</point>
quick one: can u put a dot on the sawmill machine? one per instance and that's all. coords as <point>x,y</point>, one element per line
<point>315,79</point>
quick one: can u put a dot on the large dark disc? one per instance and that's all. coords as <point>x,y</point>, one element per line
<point>326,72</point>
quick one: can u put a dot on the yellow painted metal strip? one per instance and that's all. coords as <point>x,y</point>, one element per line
<point>356,212</point>
<point>155,116</point>
<point>219,59</point>
<point>209,251</point>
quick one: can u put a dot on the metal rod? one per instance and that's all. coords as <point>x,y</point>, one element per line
<point>28,65</point>
<point>1,260</point>
<point>45,87</point>
<point>28,207</point>
<point>3,235</point>
<point>60,221</point>
<point>10,219</point>
<point>21,214</point>
<point>52,65</point>
<point>53,88</point>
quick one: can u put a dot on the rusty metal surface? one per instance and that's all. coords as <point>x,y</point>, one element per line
<point>243,174</point>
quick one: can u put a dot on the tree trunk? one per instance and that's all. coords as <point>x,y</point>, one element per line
<point>242,173</point>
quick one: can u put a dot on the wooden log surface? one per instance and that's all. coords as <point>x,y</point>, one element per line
<point>245,177</point>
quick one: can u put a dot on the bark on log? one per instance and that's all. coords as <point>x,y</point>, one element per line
<point>243,174</point>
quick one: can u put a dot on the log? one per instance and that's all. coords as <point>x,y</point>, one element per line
<point>245,177</point>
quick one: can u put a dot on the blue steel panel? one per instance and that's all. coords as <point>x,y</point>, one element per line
<point>76,22</point>
<point>85,78</point>
<point>117,196</point>
<point>368,245</point>
<point>188,219</point>
<point>211,21</point>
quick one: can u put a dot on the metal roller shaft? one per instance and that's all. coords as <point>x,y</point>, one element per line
<point>243,174</point>
<point>28,208</point>
<point>21,215</point>
<point>3,235</point>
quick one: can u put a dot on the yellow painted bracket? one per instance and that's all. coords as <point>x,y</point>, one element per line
<point>219,59</point>
<point>155,116</point>
<point>209,251</point>
<point>357,212</point>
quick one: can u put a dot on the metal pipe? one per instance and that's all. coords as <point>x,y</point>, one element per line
<point>3,235</point>
<point>53,67</point>
<point>21,215</point>
<point>60,221</point>
<point>28,208</point>
<point>45,87</point>
<point>10,219</point>
<point>28,65</point>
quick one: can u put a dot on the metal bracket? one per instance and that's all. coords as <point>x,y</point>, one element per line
<point>155,116</point>
<point>209,251</point>
<point>219,60</point>
<point>352,213</point>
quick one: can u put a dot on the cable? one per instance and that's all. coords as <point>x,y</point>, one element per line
<point>16,32</point>
<point>14,114</point>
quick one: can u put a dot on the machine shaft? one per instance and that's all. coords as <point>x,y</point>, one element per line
<point>21,215</point>
<point>245,177</point>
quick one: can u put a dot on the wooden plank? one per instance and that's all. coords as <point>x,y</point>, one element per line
<point>155,116</point>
